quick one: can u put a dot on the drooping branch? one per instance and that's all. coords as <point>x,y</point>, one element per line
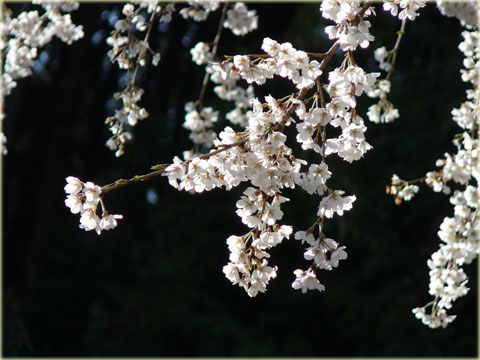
<point>160,169</point>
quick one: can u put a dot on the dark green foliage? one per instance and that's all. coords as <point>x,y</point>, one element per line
<point>154,286</point>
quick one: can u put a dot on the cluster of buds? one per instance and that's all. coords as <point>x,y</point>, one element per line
<point>401,190</point>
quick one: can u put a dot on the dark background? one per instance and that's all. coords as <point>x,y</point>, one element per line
<point>154,286</point>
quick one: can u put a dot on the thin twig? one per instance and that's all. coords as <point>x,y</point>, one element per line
<point>145,40</point>
<point>216,41</point>
<point>395,49</point>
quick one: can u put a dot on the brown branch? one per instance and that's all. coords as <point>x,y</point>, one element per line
<point>160,169</point>
<point>137,178</point>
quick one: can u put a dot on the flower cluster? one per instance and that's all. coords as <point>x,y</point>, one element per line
<point>349,32</point>
<point>21,38</point>
<point>200,124</point>
<point>127,49</point>
<point>248,266</point>
<point>199,10</point>
<point>282,60</point>
<point>83,198</point>
<point>258,153</point>
<point>402,190</point>
<point>465,11</point>
<point>24,35</point>
<point>199,119</point>
<point>345,84</point>
<point>201,53</point>
<point>409,8</point>
<point>459,234</point>
<point>382,55</point>
<point>129,53</point>
<point>460,245</point>
<point>324,252</point>
<point>241,20</point>
<point>227,89</point>
<point>384,111</point>
<point>470,48</point>
<point>260,156</point>
<point>124,118</point>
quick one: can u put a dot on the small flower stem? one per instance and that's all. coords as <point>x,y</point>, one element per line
<point>216,41</point>
<point>422,179</point>
<point>147,37</point>
<point>395,49</point>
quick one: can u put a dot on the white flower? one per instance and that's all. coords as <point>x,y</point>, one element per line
<point>231,273</point>
<point>271,47</point>
<point>306,236</point>
<point>408,192</point>
<point>109,221</point>
<point>74,203</point>
<point>306,280</point>
<point>335,203</point>
<point>337,255</point>
<point>74,185</point>
<point>316,254</point>
<point>391,6</point>
<point>128,9</point>
<point>90,221</point>
<point>92,192</point>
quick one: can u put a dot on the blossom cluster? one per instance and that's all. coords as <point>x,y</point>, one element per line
<point>129,53</point>
<point>83,198</point>
<point>384,111</point>
<point>465,11</point>
<point>459,234</point>
<point>248,266</point>
<point>199,119</point>
<point>201,53</point>
<point>408,8</point>
<point>282,60</point>
<point>349,34</point>
<point>200,124</point>
<point>325,254</point>
<point>24,35</point>
<point>321,250</point>
<point>345,84</point>
<point>227,89</point>
<point>241,20</point>
<point>261,155</point>
<point>21,38</point>
<point>403,190</point>
<point>199,10</point>
<point>460,245</point>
